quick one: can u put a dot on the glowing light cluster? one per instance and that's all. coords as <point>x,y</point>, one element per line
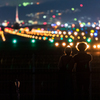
<point>2,35</point>
<point>96,46</point>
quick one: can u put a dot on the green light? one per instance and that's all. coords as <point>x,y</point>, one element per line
<point>75,19</point>
<point>72,9</point>
<point>19,31</point>
<point>57,14</point>
<point>61,38</point>
<point>88,40</point>
<point>33,41</point>
<point>51,18</point>
<point>14,41</point>
<point>26,3</point>
<point>70,40</point>
<point>19,5</point>
<point>73,28</point>
<point>51,40</point>
<point>84,23</point>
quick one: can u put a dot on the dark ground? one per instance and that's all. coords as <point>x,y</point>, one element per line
<point>17,62</point>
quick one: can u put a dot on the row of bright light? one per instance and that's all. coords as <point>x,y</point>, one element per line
<point>45,38</point>
<point>71,44</point>
<point>56,44</point>
<point>38,32</point>
<point>50,39</point>
<point>65,45</point>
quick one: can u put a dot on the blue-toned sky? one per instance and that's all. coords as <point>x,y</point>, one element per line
<point>90,7</point>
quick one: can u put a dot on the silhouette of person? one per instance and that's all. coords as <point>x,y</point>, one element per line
<point>17,84</point>
<point>65,87</point>
<point>82,60</point>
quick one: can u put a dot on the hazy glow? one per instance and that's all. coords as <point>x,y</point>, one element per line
<point>56,44</point>
<point>94,46</point>
<point>84,43</point>
<point>63,44</point>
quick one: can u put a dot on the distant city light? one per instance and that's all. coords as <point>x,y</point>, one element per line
<point>81,5</point>
<point>53,16</point>
<point>72,9</point>
<point>44,23</point>
<point>75,19</point>
<point>95,34</point>
<point>66,25</point>
<point>44,16</point>
<point>93,25</point>
<point>37,3</point>
<point>58,23</point>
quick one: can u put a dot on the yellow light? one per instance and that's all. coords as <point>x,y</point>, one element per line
<point>53,38</point>
<point>33,36</point>
<point>69,33</point>
<point>77,30</point>
<point>96,39</point>
<point>50,34</point>
<point>78,37</point>
<point>91,34</point>
<point>21,29</point>
<point>53,35</point>
<point>66,36</point>
<point>63,44</point>
<point>73,37</point>
<point>68,46</point>
<point>92,31</point>
<point>71,44</point>
<point>55,26</point>
<point>57,35</point>
<point>44,38</point>
<point>56,44</point>
<point>40,38</point>
<point>61,36</point>
<point>84,37</point>
<point>37,33</point>
<point>64,32</point>
<point>75,33</point>
<point>98,46</point>
<point>49,39</point>
<point>94,46</point>
<point>82,33</point>
<point>27,30</point>
<point>89,23</point>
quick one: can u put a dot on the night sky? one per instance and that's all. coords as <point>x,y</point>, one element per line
<point>90,7</point>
